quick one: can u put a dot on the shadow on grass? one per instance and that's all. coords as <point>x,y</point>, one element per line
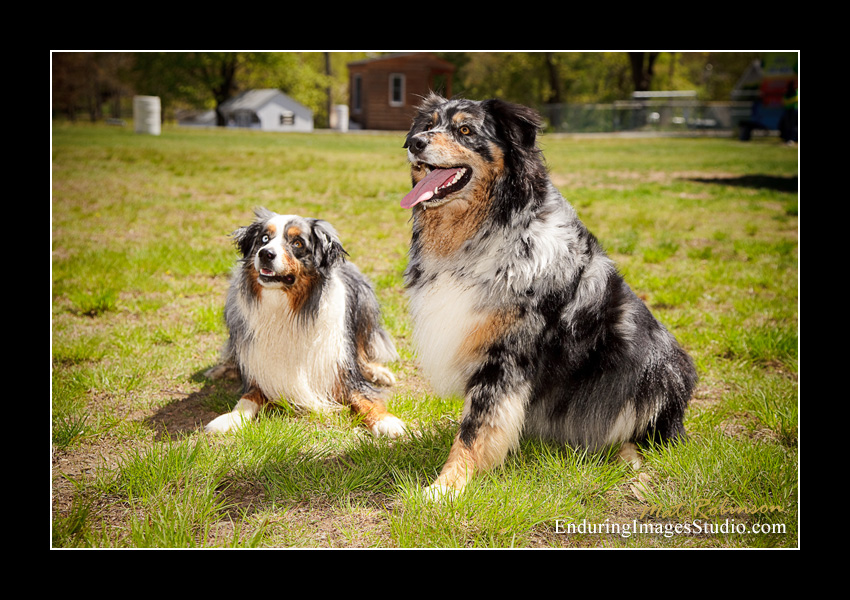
<point>188,414</point>
<point>769,182</point>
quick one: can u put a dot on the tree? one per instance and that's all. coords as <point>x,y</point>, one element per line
<point>93,82</point>
<point>642,69</point>
<point>538,78</point>
<point>522,77</point>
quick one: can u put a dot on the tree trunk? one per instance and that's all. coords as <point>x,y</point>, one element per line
<point>554,80</point>
<point>226,87</point>
<point>642,69</point>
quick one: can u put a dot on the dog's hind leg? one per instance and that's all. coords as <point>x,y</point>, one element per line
<point>246,409</point>
<point>375,416</point>
<point>377,373</point>
<point>371,356</point>
<point>628,453</point>
<point>225,370</point>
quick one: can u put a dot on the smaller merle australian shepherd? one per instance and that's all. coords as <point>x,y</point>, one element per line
<point>515,305</point>
<point>304,326</point>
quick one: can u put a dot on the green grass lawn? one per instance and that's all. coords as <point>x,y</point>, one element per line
<point>705,231</point>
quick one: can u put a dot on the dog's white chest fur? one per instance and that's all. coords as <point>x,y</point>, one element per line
<point>443,315</point>
<point>296,359</point>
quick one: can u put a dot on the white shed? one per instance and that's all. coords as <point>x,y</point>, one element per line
<point>269,110</point>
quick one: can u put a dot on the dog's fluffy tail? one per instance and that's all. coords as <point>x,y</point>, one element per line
<point>381,348</point>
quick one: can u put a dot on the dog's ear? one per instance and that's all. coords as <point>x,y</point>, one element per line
<point>327,247</point>
<point>518,127</point>
<point>519,124</point>
<point>263,214</point>
<point>244,237</point>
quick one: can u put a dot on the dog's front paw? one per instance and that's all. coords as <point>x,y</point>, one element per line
<point>438,493</point>
<point>227,422</point>
<point>244,411</point>
<point>390,426</point>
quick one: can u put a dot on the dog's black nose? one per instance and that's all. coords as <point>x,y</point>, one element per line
<point>266,254</point>
<point>417,143</point>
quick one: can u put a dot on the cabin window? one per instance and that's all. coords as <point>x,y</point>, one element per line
<point>397,89</point>
<point>357,93</point>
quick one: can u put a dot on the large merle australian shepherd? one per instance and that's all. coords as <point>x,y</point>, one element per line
<point>304,326</point>
<point>516,306</point>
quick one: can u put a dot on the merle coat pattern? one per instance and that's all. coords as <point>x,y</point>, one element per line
<point>515,305</point>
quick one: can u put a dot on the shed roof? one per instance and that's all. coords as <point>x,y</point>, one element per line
<point>255,99</point>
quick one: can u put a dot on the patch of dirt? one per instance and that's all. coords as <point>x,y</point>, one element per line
<point>186,414</point>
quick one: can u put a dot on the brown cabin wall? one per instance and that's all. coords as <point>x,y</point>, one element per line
<point>376,112</point>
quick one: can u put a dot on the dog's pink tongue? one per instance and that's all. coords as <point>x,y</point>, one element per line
<point>425,188</point>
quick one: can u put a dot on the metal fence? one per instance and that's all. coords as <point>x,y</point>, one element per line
<point>647,115</point>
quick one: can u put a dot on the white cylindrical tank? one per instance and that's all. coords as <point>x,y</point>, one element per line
<point>341,111</point>
<point>146,114</point>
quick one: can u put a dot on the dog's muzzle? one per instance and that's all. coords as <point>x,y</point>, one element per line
<point>270,268</point>
<point>440,180</point>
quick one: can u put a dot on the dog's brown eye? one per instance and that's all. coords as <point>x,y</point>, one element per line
<point>298,243</point>
<point>465,130</point>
